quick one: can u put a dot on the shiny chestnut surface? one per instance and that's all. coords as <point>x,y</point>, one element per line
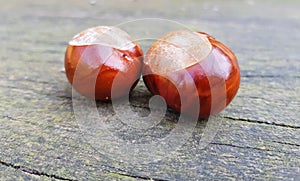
<point>195,66</point>
<point>99,57</point>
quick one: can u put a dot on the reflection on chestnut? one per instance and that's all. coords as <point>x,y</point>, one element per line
<point>96,56</point>
<point>186,68</point>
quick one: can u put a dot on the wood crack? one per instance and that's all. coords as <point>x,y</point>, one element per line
<point>141,177</point>
<point>262,122</point>
<point>253,148</point>
<point>8,117</point>
<point>269,76</point>
<point>285,143</point>
<point>39,173</point>
<point>265,99</point>
<point>33,171</point>
<point>243,147</point>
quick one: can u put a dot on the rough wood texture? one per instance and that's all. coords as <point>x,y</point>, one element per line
<point>259,137</point>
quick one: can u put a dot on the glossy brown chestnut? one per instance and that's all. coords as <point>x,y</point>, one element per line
<point>212,67</point>
<point>97,57</point>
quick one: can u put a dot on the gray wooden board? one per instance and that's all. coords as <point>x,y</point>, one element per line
<point>258,137</point>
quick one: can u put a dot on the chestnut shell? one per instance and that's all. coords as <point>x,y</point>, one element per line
<point>218,71</point>
<point>92,68</point>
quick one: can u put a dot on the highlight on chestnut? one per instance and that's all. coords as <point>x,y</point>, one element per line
<point>212,66</point>
<point>96,55</point>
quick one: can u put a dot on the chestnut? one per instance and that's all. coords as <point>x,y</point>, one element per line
<point>95,57</point>
<point>190,69</point>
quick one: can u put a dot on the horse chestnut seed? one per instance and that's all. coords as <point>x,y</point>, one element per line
<point>100,56</point>
<point>212,67</point>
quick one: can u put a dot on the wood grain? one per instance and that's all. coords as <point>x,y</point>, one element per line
<point>258,138</point>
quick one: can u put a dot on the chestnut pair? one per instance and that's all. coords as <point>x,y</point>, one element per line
<point>193,72</point>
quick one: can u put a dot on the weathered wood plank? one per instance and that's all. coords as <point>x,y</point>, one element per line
<point>258,137</point>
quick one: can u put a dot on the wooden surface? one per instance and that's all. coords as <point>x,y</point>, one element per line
<point>259,137</point>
